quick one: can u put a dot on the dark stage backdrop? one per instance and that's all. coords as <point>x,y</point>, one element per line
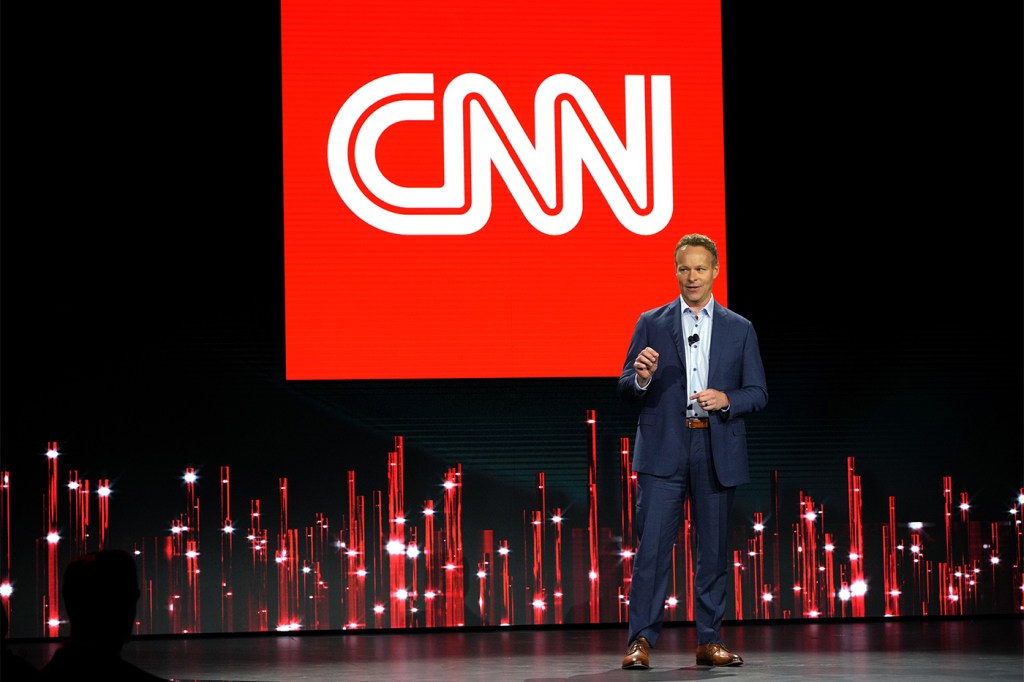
<point>873,204</point>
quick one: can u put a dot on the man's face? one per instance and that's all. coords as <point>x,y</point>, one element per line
<point>695,274</point>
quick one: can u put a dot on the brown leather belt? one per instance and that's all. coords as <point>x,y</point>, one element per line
<point>697,422</point>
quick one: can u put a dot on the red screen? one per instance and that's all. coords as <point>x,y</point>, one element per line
<point>491,191</point>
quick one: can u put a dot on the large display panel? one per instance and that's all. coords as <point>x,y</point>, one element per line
<point>475,190</point>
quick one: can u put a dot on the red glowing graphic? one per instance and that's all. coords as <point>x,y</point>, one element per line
<point>390,569</point>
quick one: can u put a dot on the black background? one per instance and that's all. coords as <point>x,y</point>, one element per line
<point>873,174</point>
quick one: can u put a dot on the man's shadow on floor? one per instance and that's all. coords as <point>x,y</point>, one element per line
<point>654,674</point>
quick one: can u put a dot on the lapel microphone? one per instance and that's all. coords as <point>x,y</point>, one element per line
<point>692,339</point>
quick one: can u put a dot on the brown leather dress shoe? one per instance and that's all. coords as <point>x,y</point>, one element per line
<point>717,654</point>
<point>638,655</point>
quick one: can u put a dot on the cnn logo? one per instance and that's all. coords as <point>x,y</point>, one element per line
<point>579,134</point>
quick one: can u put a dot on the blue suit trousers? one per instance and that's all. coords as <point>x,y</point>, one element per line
<point>659,507</point>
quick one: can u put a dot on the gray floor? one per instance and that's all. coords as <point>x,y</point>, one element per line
<point>990,648</point>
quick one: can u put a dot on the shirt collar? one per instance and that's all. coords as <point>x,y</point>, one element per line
<point>709,306</point>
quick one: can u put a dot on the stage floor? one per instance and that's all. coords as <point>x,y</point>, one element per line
<point>978,648</point>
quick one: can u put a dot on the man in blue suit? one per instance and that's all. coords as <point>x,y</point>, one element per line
<point>695,369</point>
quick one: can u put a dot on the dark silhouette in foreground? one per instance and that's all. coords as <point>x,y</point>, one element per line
<point>101,593</point>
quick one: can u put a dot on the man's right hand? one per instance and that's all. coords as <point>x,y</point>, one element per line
<point>646,365</point>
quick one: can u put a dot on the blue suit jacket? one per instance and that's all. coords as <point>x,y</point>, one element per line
<point>734,366</point>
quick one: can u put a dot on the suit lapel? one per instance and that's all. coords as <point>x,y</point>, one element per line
<point>676,329</point>
<point>719,338</point>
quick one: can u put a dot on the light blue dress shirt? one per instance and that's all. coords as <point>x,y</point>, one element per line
<point>697,353</point>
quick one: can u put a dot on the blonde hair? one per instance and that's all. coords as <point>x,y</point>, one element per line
<point>697,239</point>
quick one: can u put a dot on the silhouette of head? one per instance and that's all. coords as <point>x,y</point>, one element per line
<point>101,592</point>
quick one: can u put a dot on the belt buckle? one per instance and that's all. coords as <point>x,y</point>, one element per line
<point>696,422</point>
